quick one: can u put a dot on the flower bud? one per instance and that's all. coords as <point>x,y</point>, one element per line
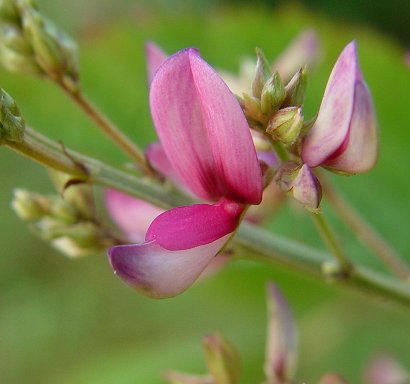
<point>55,52</point>
<point>262,74</point>
<point>296,88</point>
<point>300,183</point>
<point>273,94</point>
<point>286,124</point>
<point>29,205</point>
<point>281,348</point>
<point>252,109</point>
<point>11,123</point>
<point>222,360</point>
<point>8,11</point>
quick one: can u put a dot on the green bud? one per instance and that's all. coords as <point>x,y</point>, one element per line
<point>55,52</point>
<point>13,38</point>
<point>262,74</point>
<point>11,123</point>
<point>29,205</point>
<point>273,94</point>
<point>286,124</point>
<point>296,88</point>
<point>252,109</point>
<point>222,360</point>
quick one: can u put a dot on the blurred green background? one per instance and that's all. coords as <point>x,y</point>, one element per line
<point>64,321</point>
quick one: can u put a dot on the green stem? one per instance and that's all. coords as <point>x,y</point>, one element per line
<point>107,127</point>
<point>365,232</point>
<point>331,242</point>
<point>280,150</point>
<point>250,241</point>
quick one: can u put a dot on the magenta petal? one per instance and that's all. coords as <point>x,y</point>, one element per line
<point>154,56</point>
<point>133,216</point>
<point>204,131</point>
<point>194,225</point>
<point>361,147</point>
<point>332,124</point>
<point>158,272</point>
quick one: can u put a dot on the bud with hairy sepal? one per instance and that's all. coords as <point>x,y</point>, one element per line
<point>252,109</point>
<point>299,182</point>
<point>332,378</point>
<point>281,347</point>
<point>273,94</point>
<point>9,11</point>
<point>296,88</point>
<point>54,51</point>
<point>262,74</point>
<point>222,360</point>
<point>29,205</point>
<point>11,123</point>
<point>286,124</point>
<point>185,378</point>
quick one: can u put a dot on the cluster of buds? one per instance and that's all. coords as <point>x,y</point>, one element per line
<point>274,107</point>
<point>32,44</point>
<point>67,221</point>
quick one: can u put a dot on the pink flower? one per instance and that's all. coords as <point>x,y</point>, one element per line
<point>207,141</point>
<point>344,137</point>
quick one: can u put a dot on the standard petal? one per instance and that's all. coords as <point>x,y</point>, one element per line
<point>154,56</point>
<point>194,225</point>
<point>333,121</point>
<point>204,131</point>
<point>133,216</point>
<point>360,150</point>
<point>158,272</point>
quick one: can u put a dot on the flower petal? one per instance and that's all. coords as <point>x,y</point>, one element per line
<point>133,216</point>
<point>158,272</point>
<point>194,225</point>
<point>332,123</point>
<point>203,130</point>
<point>154,56</point>
<point>361,147</point>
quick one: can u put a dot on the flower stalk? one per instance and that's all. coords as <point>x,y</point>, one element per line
<point>250,242</point>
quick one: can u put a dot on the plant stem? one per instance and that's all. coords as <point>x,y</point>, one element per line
<point>251,242</point>
<point>331,242</point>
<point>279,149</point>
<point>365,232</point>
<point>109,128</point>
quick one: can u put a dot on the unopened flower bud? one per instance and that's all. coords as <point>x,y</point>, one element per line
<point>300,183</point>
<point>296,88</point>
<point>252,109</point>
<point>286,124</point>
<point>29,205</point>
<point>273,94</point>
<point>262,74</point>
<point>222,360</point>
<point>281,348</point>
<point>55,52</point>
<point>332,378</point>
<point>11,123</point>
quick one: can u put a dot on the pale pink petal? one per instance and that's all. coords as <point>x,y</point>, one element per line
<point>154,56</point>
<point>383,369</point>
<point>194,225</point>
<point>160,273</point>
<point>304,49</point>
<point>133,216</point>
<point>360,149</point>
<point>204,131</point>
<point>333,121</point>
